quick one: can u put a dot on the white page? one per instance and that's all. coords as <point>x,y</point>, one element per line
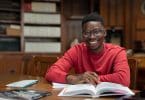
<point>59,85</point>
<point>79,89</point>
<point>113,87</point>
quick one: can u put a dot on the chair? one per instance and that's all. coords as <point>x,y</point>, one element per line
<point>133,64</point>
<point>39,64</point>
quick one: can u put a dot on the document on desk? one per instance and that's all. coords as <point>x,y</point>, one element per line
<point>22,83</point>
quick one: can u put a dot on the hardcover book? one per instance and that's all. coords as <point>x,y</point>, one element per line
<point>102,89</point>
<point>23,94</point>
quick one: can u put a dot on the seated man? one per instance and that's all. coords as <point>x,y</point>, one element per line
<point>93,60</point>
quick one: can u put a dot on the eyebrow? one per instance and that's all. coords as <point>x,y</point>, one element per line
<point>95,29</point>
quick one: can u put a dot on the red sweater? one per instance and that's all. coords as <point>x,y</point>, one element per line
<point>110,64</point>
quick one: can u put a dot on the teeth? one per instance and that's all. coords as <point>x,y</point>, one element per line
<point>93,42</point>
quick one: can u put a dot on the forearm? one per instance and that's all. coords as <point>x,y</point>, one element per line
<point>74,79</point>
<point>87,77</point>
<point>56,76</point>
<point>121,78</point>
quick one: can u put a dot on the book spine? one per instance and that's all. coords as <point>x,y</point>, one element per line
<point>43,7</point>
<point>40,18</point>
<point>41,31</point>
<point>48,47</point>
<point>27,6</point>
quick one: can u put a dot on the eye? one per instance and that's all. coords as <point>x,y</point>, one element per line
<point>96,31</point>
<point>86,33</point>
<point>99,31</point>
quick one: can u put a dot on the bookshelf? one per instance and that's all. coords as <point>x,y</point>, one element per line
<point>10,16</point>
<point>42,26</point>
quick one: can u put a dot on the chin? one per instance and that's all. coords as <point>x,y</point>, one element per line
<point>94,48</point>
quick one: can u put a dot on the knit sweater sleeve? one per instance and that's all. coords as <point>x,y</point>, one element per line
<point>59,70</point>
<point>121,71</point>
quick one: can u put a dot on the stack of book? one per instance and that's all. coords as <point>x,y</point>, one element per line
<point>42,29</point>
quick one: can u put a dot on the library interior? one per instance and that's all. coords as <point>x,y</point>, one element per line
<point>35,33</point>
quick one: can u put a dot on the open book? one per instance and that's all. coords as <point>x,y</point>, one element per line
<point>102,89</point>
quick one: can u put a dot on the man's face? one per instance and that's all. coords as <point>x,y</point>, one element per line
<point>93,35</point>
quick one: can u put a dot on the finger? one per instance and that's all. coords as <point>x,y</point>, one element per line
<point>93,77</point>
<point>90,81</point>
<point>94,74</point>
<point>81,82</point>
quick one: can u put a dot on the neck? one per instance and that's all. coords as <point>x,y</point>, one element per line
<point>98,50</point>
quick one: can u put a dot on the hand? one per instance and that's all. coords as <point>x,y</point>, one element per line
<point>91,77</point>
<point>87,77</point>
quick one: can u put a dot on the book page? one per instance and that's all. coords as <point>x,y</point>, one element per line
<point>113,88</point>
<point>79,89</point>
<point>59,85</point>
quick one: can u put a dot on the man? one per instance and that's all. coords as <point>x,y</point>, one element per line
<point>93,60</point>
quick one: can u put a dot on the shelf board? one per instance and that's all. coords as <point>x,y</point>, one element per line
<point>45,0</point>
<point>9,22</point>
<point>8,36</point>
<point>10,10</point>
<point>39,12</point>
<point>37,24</point>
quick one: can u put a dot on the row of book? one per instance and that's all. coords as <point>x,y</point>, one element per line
<point>42,27</point>
<point>43,47</point>
<point>31,45</point>
<point>42,18</point>
<point>34,31</point>
<point>40,6</point>
<point>42,31</point>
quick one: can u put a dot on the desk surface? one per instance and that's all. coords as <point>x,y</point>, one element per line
<point>41,85</point>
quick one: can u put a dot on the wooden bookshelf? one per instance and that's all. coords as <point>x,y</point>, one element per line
<point>10,14</point>
<point>42,26</point>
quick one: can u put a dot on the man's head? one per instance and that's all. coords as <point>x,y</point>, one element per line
<point>93,31</point>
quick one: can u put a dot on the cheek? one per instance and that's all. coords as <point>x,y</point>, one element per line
<point>84,39</point>
<point>101,38</point>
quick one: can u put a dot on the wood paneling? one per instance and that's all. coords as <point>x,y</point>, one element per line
<point>127,15</point>
<point>113,12</point>
<point>140,24</point>
<point>11,63</point>
<point>17,62</point>
<point>104,10</point>
<point>139,32</point>
<point>140,35</point>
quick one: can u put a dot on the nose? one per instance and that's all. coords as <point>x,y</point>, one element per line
<point>92,35</point>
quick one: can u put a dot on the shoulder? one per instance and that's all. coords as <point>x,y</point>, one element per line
<point>115,51</point>
<point>113,48</point>
<point>78,48</point>
<point>110,46</point>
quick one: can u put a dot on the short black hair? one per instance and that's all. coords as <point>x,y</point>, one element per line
<point>93,17</point>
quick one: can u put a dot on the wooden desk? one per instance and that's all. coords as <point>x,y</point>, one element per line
<point>41,85</point>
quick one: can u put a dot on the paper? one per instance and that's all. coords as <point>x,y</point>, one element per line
<point>59,85</point>
<point>23,83</point>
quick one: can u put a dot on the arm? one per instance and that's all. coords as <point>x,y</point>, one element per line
<point>87,77</point>
<point>121,71</point>
<point>59,70</point>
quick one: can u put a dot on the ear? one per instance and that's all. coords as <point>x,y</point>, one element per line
<point>105,33</point>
